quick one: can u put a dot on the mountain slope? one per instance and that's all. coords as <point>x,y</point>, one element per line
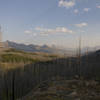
<point>12,58</point>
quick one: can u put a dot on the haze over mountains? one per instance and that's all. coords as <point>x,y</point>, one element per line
<point>47,49</point>
<point>38,48</point>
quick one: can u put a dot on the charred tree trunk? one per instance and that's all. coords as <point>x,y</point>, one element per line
<point>13,85</point>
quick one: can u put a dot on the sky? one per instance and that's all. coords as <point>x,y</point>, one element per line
<point>51,22</point>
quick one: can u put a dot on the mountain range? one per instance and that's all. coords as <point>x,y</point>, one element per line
<point>47,49</point>
<point>37,48</point>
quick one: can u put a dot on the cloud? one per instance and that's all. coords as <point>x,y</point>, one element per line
<point>66,4</point>
<point>27,31</point>
<point>76,11</point>
<point>84,24</point>
<point>86,9</point>
<point>53,31</point>
<point>46,31</point>
<point>34,34</point>
<point>30,32</point>
<point>98,6</point>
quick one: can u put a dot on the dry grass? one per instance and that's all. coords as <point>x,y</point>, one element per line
<point>11,58</point>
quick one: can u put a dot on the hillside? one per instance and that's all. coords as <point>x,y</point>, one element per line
<point>67,85</point>
<point>11,58</point>
<point>65,78</point>
<point>66,90</point>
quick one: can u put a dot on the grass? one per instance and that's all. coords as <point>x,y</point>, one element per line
<point>15,58</point>
<point>12,58</point>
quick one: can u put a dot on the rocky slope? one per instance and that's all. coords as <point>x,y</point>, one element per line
<point>66,90</point>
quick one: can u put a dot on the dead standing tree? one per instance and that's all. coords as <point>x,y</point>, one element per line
<point>13,85</point>
<point>79,58</point>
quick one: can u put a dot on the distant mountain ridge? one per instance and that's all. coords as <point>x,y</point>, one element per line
<point>48,49</point>
<point>37,48</point>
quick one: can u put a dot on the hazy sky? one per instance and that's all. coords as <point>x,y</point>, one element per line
<point>57,22</point>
